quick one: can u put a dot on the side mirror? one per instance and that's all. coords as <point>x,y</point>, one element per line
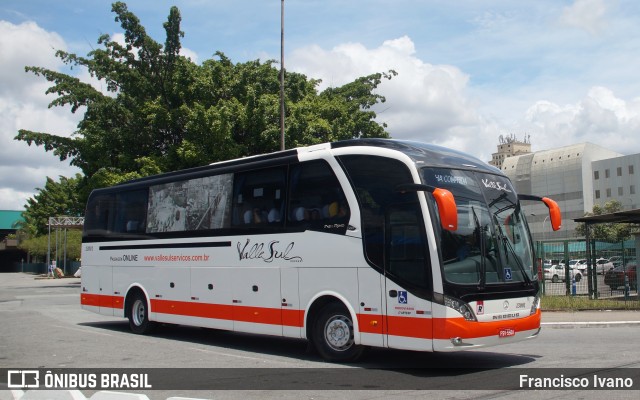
<point>554,213</point>
<point>554,210</point>
<point>446,208</point>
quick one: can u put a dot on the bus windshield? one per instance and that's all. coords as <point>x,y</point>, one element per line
<point>491,245</point>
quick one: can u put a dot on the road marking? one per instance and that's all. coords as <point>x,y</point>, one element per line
<point>264,360</point>
<point>590,323</point>
<point>40,296</point>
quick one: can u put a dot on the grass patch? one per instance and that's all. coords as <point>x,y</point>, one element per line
<point>577,303</point>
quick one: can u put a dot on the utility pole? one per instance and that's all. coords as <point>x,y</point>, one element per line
<point>281,74</point>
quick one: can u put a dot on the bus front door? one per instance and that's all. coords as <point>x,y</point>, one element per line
<point>408,322</point>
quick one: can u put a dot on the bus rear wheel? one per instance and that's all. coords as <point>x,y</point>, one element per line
<point>333,335</point>
<point>139,315</point>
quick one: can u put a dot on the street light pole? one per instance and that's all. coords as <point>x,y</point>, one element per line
<point>282,75</point>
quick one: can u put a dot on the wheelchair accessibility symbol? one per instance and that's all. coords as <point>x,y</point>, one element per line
<point>507,274</point>
<point>402,297</point>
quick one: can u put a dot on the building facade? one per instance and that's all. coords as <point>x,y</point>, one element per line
<point>9,251</point>
<point>564,174</point>
<point>510,146</point>
<point>617,179</point>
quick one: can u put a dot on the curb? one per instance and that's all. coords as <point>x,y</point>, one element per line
<point>590,324</point>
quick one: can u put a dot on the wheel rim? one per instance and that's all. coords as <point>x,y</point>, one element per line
<point>338,333</point>
<point>138,312</point>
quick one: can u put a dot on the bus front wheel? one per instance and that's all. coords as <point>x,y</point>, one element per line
<point>139,315</point>
<point>333,334</point>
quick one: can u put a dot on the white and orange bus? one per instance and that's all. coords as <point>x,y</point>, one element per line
<point>365,242</point>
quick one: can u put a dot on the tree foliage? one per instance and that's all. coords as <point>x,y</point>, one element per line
<point>163,112</point>
<point>55,199</point>
<point>609,232</point>
<point>38,246</point>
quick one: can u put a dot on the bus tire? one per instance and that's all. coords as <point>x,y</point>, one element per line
<point>333,334</point>
<point>139,315</point>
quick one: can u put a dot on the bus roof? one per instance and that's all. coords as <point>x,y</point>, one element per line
<point>425,154</point>
<point>421,153</point>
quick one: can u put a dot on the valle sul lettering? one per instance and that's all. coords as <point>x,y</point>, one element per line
<point>266,252</point>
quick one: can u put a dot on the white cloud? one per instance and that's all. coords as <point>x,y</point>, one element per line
<point>23,105</point>
<point>434,103</point>
<point>588,15</point>
<point>424,102</point>
<point>600,117</point>
<point>188,53</point>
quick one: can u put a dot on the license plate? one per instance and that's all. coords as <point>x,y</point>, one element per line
<point>506,332</point>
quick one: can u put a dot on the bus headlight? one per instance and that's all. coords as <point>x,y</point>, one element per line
<point>535,305</point>
<point>461,307</point>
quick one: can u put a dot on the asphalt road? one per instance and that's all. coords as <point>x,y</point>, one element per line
<point>42,326</point>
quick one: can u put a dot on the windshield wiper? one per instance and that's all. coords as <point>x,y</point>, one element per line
<point>483,266</point>
<point>508,248</point>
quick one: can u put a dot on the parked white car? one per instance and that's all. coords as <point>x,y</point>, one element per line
<point>616,261</point>
<point>603,265</point>
<point>556,273</point>
<point>580,265</point>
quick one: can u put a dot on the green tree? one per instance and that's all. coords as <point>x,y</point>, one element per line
<point>163,112</point>
<point>38,247</point>
<point>54,200</point>
<point>609,232</point>
<point>57,198</point>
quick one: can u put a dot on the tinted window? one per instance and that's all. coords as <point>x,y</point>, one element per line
<point>124,212</point>
<point>99,214</point>
<point>317,201</point>
<point>258,198</point>
<point>374,180</point>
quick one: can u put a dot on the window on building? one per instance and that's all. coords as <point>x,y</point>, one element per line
<point>630,169</point>
<point>597,194</point>
<point>632,189</point>
<point>606,173</point>
<point>620,191</point>
<point>619,171</point>
<point>596,175</point>
<point>608,192</point>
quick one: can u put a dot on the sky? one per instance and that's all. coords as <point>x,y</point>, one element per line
<point>557,72</point>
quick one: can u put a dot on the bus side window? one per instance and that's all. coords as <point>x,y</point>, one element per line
<point>131,211</point>
<point>99,214</point>
<point>258,198</point>
<point>317,201</point>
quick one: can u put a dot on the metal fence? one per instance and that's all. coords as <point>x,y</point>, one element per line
<point>602,270</point>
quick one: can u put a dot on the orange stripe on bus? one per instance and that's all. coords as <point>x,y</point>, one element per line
<point>371,323</point>
<point>259,315</point>
<point>444,328</point>
<point>101,300</point>
<point>422,328</point>
<point>293,318</point>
